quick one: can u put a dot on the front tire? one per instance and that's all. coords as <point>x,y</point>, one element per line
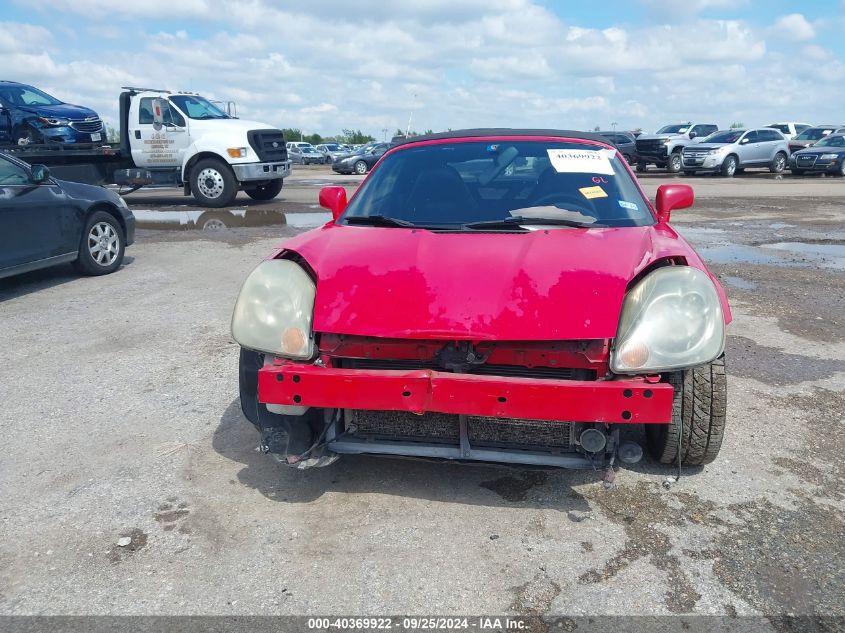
<point>698,411</point>
<point>778,163</point>
<point>842,168</point>
<point>265,192</point>
<point>102,246</point>
<point>675,163</point>
<point>729,166</point>
<point>213,183</point>
<point>360,168</point>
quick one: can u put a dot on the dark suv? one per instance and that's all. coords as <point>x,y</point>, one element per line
<point>625,142</point>
<point>31,116</point>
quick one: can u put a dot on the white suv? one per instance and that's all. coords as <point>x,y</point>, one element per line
<point>791,129</point>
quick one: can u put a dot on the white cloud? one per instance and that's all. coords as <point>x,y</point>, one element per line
<point>794,27</point>
<point>327,65</point>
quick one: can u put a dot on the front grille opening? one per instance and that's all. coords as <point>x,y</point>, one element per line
<point>442,428</point>
<point>269,145</point>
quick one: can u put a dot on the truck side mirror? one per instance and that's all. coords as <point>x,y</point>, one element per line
<point>158,113</point>
<point>692,135</point>
<point>671,197</point>
<point>333,199</point>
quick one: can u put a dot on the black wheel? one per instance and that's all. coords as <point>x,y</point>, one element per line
<point>729,166</point>
<point>778,163</point>
<point>675,163</point>
<point>698,407</point>
<point>841,170</point>
<point>213,183</point>
<point>25,135</point>
<point>642,167</point>
<point>102,245</point>
<point>360,167</point>
<point>265,192</point>
<point>797,172</point>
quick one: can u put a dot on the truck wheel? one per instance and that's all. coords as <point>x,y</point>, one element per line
<point>360,168</point>
<point>778,163</point>
<point>842,168</point>
<point>675,163</point>
<point>102,246</point>
<point>729,166</point>
<point>265,192</point>
<point>213,183</point>
<point>698,408</point>
<point>642,167</point>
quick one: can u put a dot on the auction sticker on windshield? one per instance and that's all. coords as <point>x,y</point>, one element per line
<point>592,192</point>
<point>581,161</point>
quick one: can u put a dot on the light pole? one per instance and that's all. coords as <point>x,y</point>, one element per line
<point>613,125</point>
<point>384,131</point>
<point>411,116</point>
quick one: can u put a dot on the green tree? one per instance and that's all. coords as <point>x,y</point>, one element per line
<point>354,137</point>
<point>736,125</point>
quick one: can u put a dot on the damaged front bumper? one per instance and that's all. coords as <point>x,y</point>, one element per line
<point>469,400</point>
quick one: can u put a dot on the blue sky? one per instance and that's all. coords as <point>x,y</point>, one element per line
<point>333,64</point>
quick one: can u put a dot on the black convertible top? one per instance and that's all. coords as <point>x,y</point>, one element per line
<point>505,131</point>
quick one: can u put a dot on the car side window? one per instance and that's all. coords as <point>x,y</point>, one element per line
<point>752,136</point>
<point>772,135</point>
<point>12,174</point>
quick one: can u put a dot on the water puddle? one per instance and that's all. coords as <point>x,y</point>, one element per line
<point>827,255</point>
<point>777,226</point>
<point>824,255</point>
<point>307,220</point>
<point>739,283</point>
<point>218,220</point>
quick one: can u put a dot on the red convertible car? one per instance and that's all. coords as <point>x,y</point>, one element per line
<point>488,295</point>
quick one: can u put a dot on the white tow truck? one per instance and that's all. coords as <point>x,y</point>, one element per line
<point>181,139</point>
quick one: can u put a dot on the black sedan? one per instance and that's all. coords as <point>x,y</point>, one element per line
<point>44,221</point>
<point>362,160</point>
<point>625,142</point>
<point>826,156</point>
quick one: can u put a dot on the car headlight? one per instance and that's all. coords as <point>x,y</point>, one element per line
<point>713,152</point>
<point>51,122</point>
<point>274,310</point>
<point>829,156</point>
<point>671,319</point>
<point>667,141</point>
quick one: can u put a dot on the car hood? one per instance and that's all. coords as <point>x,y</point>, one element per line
<point>225,126</point>
<point>815,151</point>
<point>655,137</point>
<point>708,146</point>
<point>63,111</point>
<point>560,284</point>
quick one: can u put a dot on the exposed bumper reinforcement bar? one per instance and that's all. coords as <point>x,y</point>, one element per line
<point>628,401</point>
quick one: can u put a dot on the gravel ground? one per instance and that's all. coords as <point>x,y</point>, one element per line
<point>121,420</point>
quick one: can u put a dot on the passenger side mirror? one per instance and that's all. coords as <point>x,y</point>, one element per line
<point>333,199</point>
<point>40,174</point>
<point>671,197</point>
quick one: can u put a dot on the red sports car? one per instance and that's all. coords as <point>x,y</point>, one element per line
<point>489,295</point>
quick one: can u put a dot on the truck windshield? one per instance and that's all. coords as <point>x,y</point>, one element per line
<point>26,96</point>
<point>674,129</point>
<point>500,185</point>
<point>814,134</point>
<point>198,107</point>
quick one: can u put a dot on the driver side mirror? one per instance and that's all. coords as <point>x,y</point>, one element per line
<point>671,197</point>
<point>40,174</point>
<point>692,135</point>
<point>333,199</point>
<point>744,141</point>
